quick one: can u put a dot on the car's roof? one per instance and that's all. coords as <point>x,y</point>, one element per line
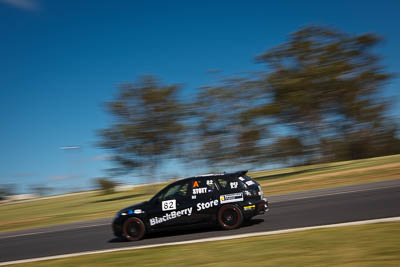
<point>225,174</point>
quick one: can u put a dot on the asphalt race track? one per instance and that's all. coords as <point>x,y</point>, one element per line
<point>318,207</point>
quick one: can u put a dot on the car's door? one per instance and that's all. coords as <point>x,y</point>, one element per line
<point>205,193</point>
<point>172,206</point>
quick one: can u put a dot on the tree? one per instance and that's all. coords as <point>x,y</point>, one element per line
<point>325,87</point>
<point>147,125</point>
<point>41,190</point>
<point>7,190</point>
<point>106,185</point>
<point>225,134</point>
<point>318,100</point>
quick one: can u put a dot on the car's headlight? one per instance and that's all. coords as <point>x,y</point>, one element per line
<point>120,213</point>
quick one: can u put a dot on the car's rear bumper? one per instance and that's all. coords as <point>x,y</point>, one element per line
<point>262,206</point>
<point>256,208</point>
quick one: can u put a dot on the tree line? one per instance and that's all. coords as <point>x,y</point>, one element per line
<point>318,98</point>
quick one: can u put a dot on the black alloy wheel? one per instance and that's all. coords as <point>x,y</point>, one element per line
<point>230,217</point>
<point>134,229</point>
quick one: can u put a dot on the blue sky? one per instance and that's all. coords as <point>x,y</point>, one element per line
<point>61,60</point>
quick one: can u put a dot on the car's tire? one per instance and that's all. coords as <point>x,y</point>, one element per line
<point>230,217</point>
<point>134,229</point>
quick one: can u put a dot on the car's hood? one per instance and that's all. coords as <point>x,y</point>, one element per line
<point>134,207</point>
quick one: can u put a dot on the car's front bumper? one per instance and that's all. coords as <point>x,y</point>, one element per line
<point>117,225</point>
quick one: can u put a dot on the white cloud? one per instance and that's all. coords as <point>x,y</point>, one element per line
<point>30,5</point>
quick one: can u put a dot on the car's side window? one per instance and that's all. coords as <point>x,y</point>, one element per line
<point>230,184</point>
<point>179,191</point>
<point>223,183</point>
<point>183,190</point>
<point>210,184</point>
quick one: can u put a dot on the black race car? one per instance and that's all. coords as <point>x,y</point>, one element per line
<point>226,199</point>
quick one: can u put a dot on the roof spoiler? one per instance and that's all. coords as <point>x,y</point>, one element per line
<point>240,173</point>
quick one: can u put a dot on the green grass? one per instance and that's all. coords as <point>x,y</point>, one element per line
<point>94,205</point>
<point>366,245</point>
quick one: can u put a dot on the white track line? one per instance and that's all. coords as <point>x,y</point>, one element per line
<point>392,219</point>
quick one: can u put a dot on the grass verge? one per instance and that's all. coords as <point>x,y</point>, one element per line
<point>94,205</point>
<point>365,245</point>
<point>328,175</point>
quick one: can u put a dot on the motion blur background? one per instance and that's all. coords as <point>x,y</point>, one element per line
<point>142,91</point>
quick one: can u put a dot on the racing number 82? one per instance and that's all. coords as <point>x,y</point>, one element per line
<point>169,205</point>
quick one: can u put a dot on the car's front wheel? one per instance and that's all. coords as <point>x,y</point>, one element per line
<point>134,229</point>
<point>230,217</point>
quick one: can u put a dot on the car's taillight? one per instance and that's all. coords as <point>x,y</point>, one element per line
<point>260,192</point>
<point>253,193</point>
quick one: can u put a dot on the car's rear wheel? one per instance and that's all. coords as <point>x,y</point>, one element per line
<point>230,217</point>
<point>134,229</point>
